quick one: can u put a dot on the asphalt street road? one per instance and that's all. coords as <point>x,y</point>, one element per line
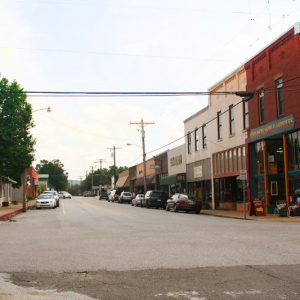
<point>91,248</point>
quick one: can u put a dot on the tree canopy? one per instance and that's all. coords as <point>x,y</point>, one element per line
<point>16,142</point>
<point>101,176</point>
<point>58,178</point>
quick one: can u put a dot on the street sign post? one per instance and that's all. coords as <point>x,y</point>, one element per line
<point>243,178</point>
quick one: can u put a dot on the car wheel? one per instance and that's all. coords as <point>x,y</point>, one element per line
<point>187,211</point>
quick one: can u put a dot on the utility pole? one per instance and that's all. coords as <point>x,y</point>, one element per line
<point>100,160</point>
<point>114,148</point>
<point>92,179</point>
<point>142,123</point>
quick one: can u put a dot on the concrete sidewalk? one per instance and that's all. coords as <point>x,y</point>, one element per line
<point>240,215</point>
<point>6,213</point>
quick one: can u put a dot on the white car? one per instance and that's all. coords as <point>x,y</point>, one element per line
<point>137,200</point>
<point>46,200</point>
<point>65,195</point>
<point>125,197</point>
<point>55,195</point>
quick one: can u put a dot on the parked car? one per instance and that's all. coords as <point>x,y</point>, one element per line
<point>103,195</point>
<point>114,195</point>
<point>155,199</point>
<point>137,200</point>
<point>181,202</point>
<point>46,200</point>
<point>55,194</point>
<point>125,197</point>
<point>87,194</point>
<point>67,195</point>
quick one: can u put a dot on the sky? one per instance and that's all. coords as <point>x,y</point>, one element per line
<point>126,46</point>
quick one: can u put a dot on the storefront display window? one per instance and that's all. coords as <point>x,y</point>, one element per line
<point>293,148</point>
<point>259,159</point>
<point>243,158</point>
<point>235,159</point>
<point>230,160</point>
<point>294,184</point>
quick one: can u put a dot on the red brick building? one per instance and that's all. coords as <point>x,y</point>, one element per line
<point>32,181</point>
<point>273,146</point>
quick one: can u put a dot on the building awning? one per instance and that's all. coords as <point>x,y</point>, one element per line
<point>172,179</point>
<point>121,182</point>
<point>7,180</point>
<point>149,180</point>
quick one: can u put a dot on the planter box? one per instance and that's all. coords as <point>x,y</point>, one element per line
<point>228,205</point>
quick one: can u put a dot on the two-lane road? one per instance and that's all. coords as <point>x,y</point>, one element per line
<point>89,235</point>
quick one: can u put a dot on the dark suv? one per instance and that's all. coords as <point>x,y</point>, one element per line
<point>103,195</point>
<point>155,199</point>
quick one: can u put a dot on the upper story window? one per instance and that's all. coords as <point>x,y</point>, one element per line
<point>203,136</point>
<point>219,124</point>
<point>189,143</point>
<point>261,105</point>
<point>279,97</point>
<point>196,139</point>
<point>231,120</point>
<point>245,115</point>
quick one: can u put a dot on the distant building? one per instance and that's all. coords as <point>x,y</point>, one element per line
<point>123,180</point>
<point>175,179</point>
<point>6,190</point>
<point>43,181</point>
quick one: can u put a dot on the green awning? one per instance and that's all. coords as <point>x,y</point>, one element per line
<point>165,179</point>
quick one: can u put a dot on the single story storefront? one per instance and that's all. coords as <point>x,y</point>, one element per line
<point>228,189</point>
<point>199,181</point>
<point>176,183</point>
<point>273,164</point>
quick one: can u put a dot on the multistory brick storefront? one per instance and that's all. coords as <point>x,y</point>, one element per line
<point>273,146</point>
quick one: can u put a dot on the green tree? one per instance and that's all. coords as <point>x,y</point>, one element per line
<point>58,178</point>
<point>16,142</point>
<point>100,176</point>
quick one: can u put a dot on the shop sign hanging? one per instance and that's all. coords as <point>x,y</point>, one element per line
<point>272,128</point>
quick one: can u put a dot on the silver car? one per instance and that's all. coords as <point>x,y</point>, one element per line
<point>46,200</point>
<point>55,195</point>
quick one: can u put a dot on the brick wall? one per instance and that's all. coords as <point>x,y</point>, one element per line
<point>280,59</point>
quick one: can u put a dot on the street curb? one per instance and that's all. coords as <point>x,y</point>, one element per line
<point>228,217</point>
<point>11,214</point>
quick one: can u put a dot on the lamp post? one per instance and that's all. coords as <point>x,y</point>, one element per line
<point>92,179</point>
<point>24,177</point>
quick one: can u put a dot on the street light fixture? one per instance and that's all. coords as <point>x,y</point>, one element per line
<point>48,109</point>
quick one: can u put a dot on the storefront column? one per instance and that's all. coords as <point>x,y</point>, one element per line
<point>213,206</point>
<point>265,176</point>
<point>286,179</point>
